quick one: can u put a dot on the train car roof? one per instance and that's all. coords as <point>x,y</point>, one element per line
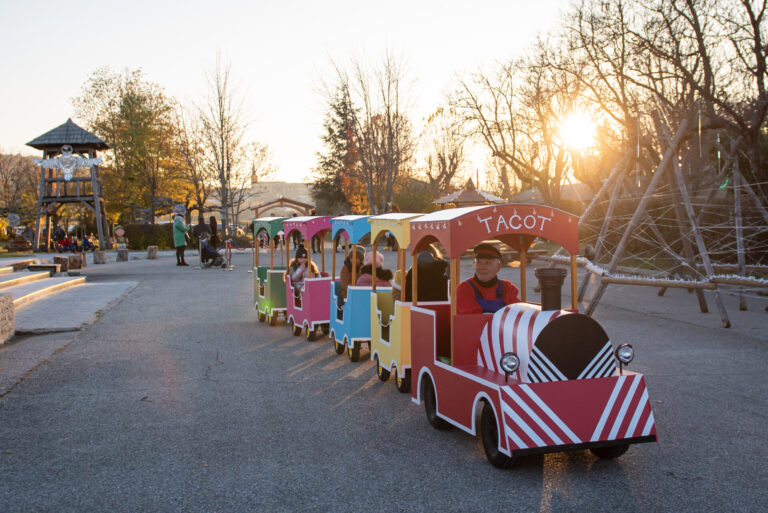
<point>352,228</point>
<point>272,225</point>
<point>308,226</point>
<point>396,223</point>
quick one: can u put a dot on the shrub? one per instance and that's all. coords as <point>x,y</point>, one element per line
<point>142,235</point>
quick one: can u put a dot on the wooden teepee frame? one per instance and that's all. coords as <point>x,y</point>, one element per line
<point>687,223</point>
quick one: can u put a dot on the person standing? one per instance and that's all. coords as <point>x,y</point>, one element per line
<point>180,237</point>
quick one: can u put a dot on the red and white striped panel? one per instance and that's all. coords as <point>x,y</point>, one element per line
<point>513,328</point>
<point>529,422</point>
<point>627,413</point>
<point>610,409</point>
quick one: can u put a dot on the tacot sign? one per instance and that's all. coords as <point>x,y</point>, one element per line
<point>514,222</point>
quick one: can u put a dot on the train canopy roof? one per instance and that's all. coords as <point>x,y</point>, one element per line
<point>395,223</point>
<point>352,228</point>
<point>307,226</point>
<point>516,225</point>
<point>271,225</point>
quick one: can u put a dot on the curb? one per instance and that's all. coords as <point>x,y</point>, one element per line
<point>38,294</point>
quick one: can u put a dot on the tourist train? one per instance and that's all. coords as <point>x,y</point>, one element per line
<point>528,378</point>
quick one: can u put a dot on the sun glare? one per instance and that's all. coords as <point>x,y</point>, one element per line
<point>578,131</point>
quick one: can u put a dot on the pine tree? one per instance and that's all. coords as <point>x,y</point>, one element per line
<point>333,190</point>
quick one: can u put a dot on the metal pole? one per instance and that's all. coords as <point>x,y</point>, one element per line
<point>739,230</point>
<point>322,251</point>
<point>574,292</point>
<point>333,259</point>
<point>454,282</point>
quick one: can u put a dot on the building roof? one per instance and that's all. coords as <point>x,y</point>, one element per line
<point>469,195</point>
<point>68,133</point>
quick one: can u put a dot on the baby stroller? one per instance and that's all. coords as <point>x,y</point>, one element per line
<point>209,257</point>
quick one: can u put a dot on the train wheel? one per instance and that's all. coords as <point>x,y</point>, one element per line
<point>430,405</point>
<point>489,430</point>
<point>403,383</point>
<point>354,352</point>
<point>310,333</point>
<point>325,328</point>
<point>609,453</point>
<point>273,319</point>
<point>338,347</point>
<point>381,372</point>
<point>295,329</point>
<point>262,317</point>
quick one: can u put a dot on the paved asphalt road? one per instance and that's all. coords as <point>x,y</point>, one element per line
<point>177,399</point>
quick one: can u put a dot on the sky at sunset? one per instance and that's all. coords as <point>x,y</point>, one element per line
<point>279,52</point>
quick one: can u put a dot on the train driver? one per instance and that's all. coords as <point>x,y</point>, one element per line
<point>484,292</point>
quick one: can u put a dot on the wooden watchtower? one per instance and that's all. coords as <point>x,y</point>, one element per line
<point>56,191</point>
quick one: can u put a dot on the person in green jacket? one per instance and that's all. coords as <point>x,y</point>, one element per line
<point>179,237</point>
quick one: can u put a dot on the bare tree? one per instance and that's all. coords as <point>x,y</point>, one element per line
<point>516,112</point>
<point>18,185</point>
<point>191,149</point>
<point>223,128</point>
<point>381,129</point>
<point>259,167</point>
<point>715,53</point>
<point>444,149</point>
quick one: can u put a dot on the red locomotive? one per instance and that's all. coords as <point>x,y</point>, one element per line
<point>536,378</point>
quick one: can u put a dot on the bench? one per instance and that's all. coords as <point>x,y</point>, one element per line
<point>52,268</point>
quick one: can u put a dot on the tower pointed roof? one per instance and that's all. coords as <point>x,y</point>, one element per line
<point>68,133</point>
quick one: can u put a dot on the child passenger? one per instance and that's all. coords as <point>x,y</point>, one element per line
<point>383,276</point>
<point>300,269</point>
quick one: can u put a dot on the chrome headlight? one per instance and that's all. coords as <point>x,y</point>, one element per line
<point>625,353</point>
<point>509,362</point>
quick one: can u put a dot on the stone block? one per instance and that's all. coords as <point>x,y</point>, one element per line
<point>152,253</point>
<point>7,325</point>
<point>122,255</point>
<point>99,257</point>
<point>76,261</point>
<point>63,263</point>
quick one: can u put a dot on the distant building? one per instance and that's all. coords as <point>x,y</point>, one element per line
<point>261,192</point>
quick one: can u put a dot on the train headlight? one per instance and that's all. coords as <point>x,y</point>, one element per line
<point>624,354</point>
<point>509,363</point>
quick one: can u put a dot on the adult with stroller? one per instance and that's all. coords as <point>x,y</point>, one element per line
<point>209,257</point>
<point>180,234</point>
<point>214,241</point>
<point>201,229</point>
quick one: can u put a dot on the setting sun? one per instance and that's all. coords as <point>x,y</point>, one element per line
<point>578,131</point>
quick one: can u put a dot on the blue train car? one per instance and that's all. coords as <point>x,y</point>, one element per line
<point>350,316</point>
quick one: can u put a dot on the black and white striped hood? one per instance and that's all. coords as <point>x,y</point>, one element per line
<point>552,345</point>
